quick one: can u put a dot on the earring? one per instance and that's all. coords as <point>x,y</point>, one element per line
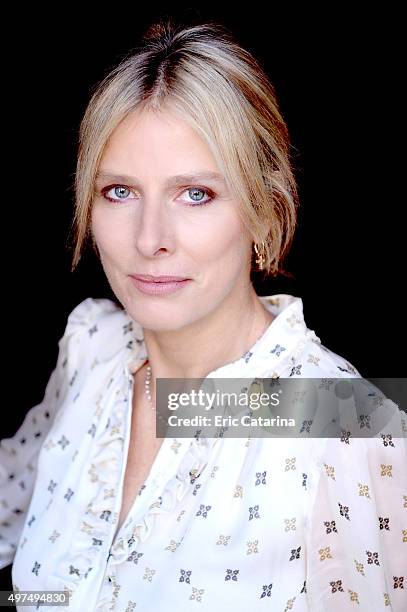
<point>260,256</point>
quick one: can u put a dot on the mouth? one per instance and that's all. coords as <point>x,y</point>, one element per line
<point>148,278</point>
<point>158,285</point>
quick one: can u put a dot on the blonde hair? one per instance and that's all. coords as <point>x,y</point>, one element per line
<point>221,90</point>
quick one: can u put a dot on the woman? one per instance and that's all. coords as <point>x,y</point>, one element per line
<point>184,186</point>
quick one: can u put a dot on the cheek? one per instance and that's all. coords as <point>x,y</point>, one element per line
<point>110,233</point>
<point>220,242</point>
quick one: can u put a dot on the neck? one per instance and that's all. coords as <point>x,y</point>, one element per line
<point>205,345</point>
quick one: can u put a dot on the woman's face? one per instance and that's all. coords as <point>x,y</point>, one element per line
<point>158,223</point>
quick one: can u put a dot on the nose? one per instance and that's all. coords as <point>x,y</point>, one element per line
<point>153,233</point>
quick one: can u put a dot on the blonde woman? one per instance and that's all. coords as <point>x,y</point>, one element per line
<point>184,186</point>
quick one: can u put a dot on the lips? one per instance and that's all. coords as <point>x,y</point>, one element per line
<point>160,285</point>
<point>158,279</point>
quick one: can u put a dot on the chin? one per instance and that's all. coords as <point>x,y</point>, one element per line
<point>155,317</point>
<point>159,325</point>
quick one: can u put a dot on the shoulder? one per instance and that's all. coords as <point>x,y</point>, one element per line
<point>98,332</point>
<point>314,360</point>
<point>303,352</point>
<point>92,310</point>
<point>97,327</point>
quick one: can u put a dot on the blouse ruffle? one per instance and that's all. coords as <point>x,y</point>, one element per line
<point>162,494</point>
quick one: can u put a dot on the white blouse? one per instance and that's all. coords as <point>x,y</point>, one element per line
<point>220,524</point>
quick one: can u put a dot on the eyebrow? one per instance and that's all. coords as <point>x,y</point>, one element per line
<point>172,181</point>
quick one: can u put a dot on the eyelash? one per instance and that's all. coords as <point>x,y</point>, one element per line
<point>210,193</point>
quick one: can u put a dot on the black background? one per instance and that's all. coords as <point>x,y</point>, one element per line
<point>337,84</point>
<point>337,78</point>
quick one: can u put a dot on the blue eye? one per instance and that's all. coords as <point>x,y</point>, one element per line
<point>195,190</point>
<point>121,193</point>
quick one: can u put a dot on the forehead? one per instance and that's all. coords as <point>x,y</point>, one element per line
<point>161,138</point>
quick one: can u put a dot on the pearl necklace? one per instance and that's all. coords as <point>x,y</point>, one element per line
<point>147,386</point>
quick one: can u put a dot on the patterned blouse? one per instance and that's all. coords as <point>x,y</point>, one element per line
<point>220,524</point>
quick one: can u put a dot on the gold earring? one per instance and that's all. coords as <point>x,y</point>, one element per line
<point>260,256</point>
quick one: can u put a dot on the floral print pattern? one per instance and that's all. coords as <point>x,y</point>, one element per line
<point>300,524</point>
